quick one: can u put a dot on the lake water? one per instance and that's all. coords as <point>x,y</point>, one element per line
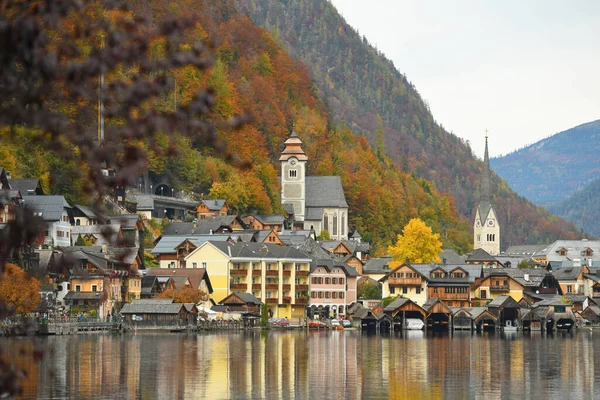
<point>311,365</point>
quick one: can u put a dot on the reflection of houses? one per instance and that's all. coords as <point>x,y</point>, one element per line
<point>159,314</point>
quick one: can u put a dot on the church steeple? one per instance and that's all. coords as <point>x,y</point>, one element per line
<point>293,175</point>
<point>486,191</point>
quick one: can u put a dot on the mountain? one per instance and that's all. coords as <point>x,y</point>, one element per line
<point>366,92</point>
<point>582,208</point>
<point>555,168</point>
<point>252,72</point>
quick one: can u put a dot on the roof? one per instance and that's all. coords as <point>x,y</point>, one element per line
<point>504,301</point>
<point>473,271</point>
<point>26,186</point>
<point>567,274</point>
<point>574,250</point>
<point>204,226</point>
<point>150,306</point>
<point>260,251</point>
<point>127,221</point>
<point>51,207</point>
<point>87,211</point>
<point>247,298</point>
<point>144,202</point>
<point>269,219</point>
<point>378,265</point>
<point>104,234</point>
<point>213,205</point>
<point>194,275</point>
<point>452,257</point>
<point>83,296</point>
<point>329,264</point>
<point>399,302</point>
<point>480,255</point>
<point>526,250</point>
<point>325,191</point>
<point>167,244</point>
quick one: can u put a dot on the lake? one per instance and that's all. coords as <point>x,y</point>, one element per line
<point>287,364</point>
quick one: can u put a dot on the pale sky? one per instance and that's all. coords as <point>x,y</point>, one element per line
<point>523,69</point>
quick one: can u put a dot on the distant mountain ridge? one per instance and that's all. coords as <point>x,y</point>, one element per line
<point>554,168</point>
<point>364,91</point>
<point>582,208</point>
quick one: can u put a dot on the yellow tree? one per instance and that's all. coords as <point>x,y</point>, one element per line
<point>417,243</point>
<point>19,290</point>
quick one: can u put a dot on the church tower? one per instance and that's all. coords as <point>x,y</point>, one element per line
<point>293,175</point>
<point>486,227</point>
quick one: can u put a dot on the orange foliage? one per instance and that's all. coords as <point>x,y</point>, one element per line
<point>19,290</point>
<point>184,295</point>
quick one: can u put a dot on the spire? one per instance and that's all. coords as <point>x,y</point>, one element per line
<point>486,195</point>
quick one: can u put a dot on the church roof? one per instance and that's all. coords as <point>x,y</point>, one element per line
<point>325,191</point>
<point>485,193</point>
<point>293,148</point>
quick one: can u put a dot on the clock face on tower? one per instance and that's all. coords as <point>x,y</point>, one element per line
<point>490,223</point>
<point>293,162</point>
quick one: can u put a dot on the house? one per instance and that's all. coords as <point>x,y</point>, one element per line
<point>153,285</point>
<point>197,279</point>
<point>170,250</point>
<point>450,283</point>
<point>277,275</point>
<point>333,287</point>
<point>97,235</point>
<point>210,208</point>
<point>439,315</point>
<point>406,281</point>
<point>508,311</point>
<point>377,268</point>
<point>513,282</point>
<point>242,302</point>
<point>264,222</point>
<point>132,227</point>
<point>141,204</point>
<point>56,213</point>
<point>27,187</point>
<point>10,200</point>
<point>592,284</point>
<point>579,252</point>
<point>352,252</point>
<point>480,256</point>
<point>212,225</point>
<point>401,309</point>
<point>592,314</point>
<point>558,314</point>
<point>256,236</point>
<point>159,314</point>
<point>318,202</point>
<point>572,279</point>
<point>84,215</point>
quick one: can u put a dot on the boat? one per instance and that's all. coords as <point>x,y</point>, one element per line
<point>414,324</point>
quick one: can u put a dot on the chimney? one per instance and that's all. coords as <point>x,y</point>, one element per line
<point>526,277</point>
<point>444,261</point>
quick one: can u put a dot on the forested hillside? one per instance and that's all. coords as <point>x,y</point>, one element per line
<point>582,208</point>
<point>555,168</point>
<point>365,91</point>
<point>253,73</point>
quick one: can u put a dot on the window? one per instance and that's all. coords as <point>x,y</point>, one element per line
<point>404,289</point>
<point>204,265</point>
<point>418,289</point>
<point>484,294</point>
<point>94,288</point>
<point>327,280</point>
<point>334,295</point>
<point>341,281</point>
<point>569,290</point>
<point>320,280</point>
<point>327,295</point>
<point>335,227</point>
<point>78,288</point>
<point>298,267</point>
<point>478,237</point>
<point>320,295</point>
<point>46,233</point>
<point>313,295</point>
<point>343,224</point>
<point>505,282</point>
<point>298,281</point>
<point>560,309</point>
<point>326,222</point>
<point>341,295</point>
<point>293,173</point>
<point>194,265</point>
<point>392,290</point>
<point>314,280</point>
<point>237,266</point>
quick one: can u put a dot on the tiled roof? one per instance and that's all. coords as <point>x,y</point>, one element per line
<point>144,202</point>
<point>25,186</point>
<point>325,191</point>
<point>399,302</point>
<point>260,251</point>
<point>148,307</point>
<point>87,211</point>
<point>51,207</point>
<point>378,265</point>
<point>194,275</point>
<point>480,255</point>
<point>127,221</point>
<point>214,205</point>
<point>104,234</point>
<point>452,257</point>
<point>167,244</point>
<point>83,296</point>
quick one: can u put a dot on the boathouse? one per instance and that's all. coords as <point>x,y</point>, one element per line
<point>161,314</point>
<point>439,315</point>
<point>401,309</point>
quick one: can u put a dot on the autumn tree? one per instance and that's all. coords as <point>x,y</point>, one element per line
<point>417,243</point>
<point>369,290</point>
<point>18,290</point>
<point>183,295</point>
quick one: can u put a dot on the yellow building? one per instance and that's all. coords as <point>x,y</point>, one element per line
<point>405,281</point>
<point>277,275</point>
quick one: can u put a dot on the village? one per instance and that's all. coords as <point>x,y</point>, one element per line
<point>298,269</point>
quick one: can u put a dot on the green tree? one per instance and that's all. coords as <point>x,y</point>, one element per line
<point>264,316</point>
<point>324,235</point>
<point>386,301</point>
<point>417,243</point>
<point>369,290</point>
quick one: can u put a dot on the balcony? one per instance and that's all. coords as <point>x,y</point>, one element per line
<point>272,272</point>
<point>405,281</point>
<point>301,273</point>
<point>301,288</point>
<point>239,272</point>
<point>256,286</point>
<point>239,286</point>
<point>256,272</point>
<point>286,286</point>
<point>450,296</point>
<point>287,273</point>
<point>273,286</point>
<point>500,288</point>
<point>301,300</point>
<point>287,300</point>
<point>272,300</point>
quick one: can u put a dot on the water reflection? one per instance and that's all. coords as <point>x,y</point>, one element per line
<point>311,365</point>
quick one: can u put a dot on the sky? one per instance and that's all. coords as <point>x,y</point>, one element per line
<point>523,70</point>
